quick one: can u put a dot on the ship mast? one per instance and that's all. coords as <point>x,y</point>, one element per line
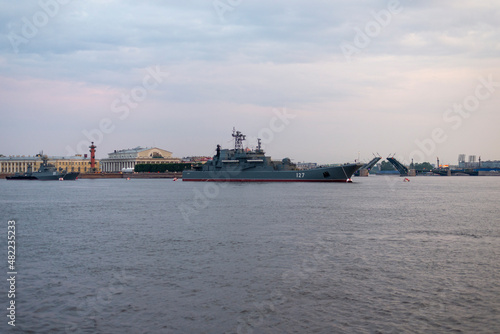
<point>238,140</point>
<point>259,146</point>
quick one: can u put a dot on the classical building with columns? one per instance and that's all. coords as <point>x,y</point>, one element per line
<point>19,164</point>
<point>118,160</point>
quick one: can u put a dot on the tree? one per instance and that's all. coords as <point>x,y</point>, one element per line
<point>424,166</point>
<point>161,168</point>
<point>386,165</point>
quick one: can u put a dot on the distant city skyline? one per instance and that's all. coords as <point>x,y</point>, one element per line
<point>318,82</point>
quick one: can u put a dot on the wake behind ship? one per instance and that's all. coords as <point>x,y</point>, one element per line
<point>244,165</point>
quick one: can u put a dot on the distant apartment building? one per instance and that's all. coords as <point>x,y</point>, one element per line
<point>490,164</point>
<point>128,158</point>
<point>20,163</point>
<point>473,163</point>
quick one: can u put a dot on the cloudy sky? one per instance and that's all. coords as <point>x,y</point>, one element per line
<point>322,81</point>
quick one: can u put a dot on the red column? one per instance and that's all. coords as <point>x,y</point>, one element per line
<point>92,156</point>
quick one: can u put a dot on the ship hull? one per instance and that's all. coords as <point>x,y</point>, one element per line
<point>45,176</point>
<point>326,174</point>
<point>71,176</point>
<point>20,177</point>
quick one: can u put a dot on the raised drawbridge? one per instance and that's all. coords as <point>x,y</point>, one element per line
<point>402,169</point>
<point>363,171</point>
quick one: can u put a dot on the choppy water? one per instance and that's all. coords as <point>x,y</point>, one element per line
<point>156,256</point>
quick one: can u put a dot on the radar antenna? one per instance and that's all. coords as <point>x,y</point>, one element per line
<point>238,140</point>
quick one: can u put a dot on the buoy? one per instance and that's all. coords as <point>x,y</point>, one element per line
<point>175,179</point>
<point>128,178</point>
<point>61,179</point>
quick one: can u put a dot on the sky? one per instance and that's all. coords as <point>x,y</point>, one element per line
<point>318,81</point>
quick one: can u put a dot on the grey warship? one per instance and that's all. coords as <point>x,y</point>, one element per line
<point>244,165</point>
<point>46,172</point>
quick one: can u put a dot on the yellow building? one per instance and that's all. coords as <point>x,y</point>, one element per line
<point>118,160</point>
<point>19,164</point>
<point>75,163</point>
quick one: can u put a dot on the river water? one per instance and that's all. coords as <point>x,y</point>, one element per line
<point>155,256</point>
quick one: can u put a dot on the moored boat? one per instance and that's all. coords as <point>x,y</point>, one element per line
<point>46,172</point>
